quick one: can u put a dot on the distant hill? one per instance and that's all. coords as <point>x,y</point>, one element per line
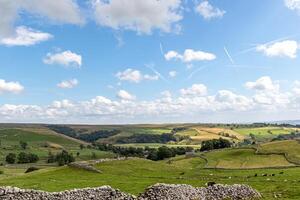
<point>292,122</point>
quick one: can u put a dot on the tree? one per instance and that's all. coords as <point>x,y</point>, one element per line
<point>32,158</point>
<point>10,158</point>
<point>81,146</point>
<point>27,157</point>
<point>215,144</point>
<point>164,152</point>
<point>22,158</point>
<point>64,158</point>
<point>152,154</point>
<point>23,145</point>
<point>77,154</point>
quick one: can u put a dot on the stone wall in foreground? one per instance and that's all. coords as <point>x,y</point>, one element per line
<point>155,192</point>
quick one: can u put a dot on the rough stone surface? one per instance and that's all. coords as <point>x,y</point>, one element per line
<point>155,192</point>
<point>101,193</point>
<point>187,192</point>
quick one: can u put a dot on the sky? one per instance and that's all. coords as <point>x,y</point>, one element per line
<point>150,61</point>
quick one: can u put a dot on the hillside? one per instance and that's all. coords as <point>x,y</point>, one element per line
<point>41,141</point>
<point>291,149</point>
<point>244,159</point>
<point>185,134</point>
<point>134,175</point>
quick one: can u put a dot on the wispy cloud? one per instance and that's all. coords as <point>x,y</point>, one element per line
<point>228,55</point>
<point>157,73</point>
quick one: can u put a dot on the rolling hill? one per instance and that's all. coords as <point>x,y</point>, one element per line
<point>136,174</point>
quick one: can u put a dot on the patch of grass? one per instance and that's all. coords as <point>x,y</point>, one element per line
<point>243,159</point>
<point>41,143</point>
<point>289,147</point>
<point>156,145</point>
<point>134,176</point>
<point>264,133</point>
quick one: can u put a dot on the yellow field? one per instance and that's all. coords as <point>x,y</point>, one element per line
<point>199,134</point>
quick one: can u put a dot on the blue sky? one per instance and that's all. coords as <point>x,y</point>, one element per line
<point>132,61</point>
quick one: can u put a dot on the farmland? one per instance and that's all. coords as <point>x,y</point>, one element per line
<point>268,165</point>
<point>143,173</point>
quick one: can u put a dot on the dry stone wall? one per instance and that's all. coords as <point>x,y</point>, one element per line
<point>155,192</point>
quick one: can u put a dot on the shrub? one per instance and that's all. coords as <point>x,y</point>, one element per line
<point>215,144</point>
<point>164,152</point>
<point>23,145</point>
<point>64,158</point>
<point>27,158</point>
<point>11,158</point>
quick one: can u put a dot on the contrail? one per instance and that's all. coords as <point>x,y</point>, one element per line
<point>157,73</point>
<point>161,49</point>
<point>229,56</point>
<point>196,71</point>
<point>267,43</point>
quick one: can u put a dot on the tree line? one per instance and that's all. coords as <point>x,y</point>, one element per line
<point>21,158</point>
<point>88,137</point>
<point>147,152</point>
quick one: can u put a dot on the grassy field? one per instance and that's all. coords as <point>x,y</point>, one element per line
<point>41,143</point>
<point>229,166</point>
<point>157,145</point>
<point>244,159</point>
<point>289,147</point>
<point>134,175</point>
<point>265,133</point>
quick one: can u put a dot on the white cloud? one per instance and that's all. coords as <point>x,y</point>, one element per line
<point>62,104</point>
<point>130,75</point>
<point>63,11</point>
<point>264,83</point>
<point>140,16</point>
<point>207,11</point>
<point>293,5</point>
<point>193,105</point>
<point>25,36</point>
<point>195,90</point>
<point>268,93</point>
<point>66,58</point>
<point>227,100</point>
<point>287,48</point>
<point>151,77</point>
<point>296,88</point>
<point>166,93</point>
<point>172,55</point>
<point>124,95</point>
<point>10,87</point>
<point>135,76</point>
<point>190,55</point>
<point>172,74</point>
<point>68,84</point>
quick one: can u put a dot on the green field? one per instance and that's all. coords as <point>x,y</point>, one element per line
<point>264,133</point>
<point>157,145</point>
<point>244,159</point>
<point>41,143</point>
<point>134,175</point>
<point>229,166</point>
<point>291,148</point>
